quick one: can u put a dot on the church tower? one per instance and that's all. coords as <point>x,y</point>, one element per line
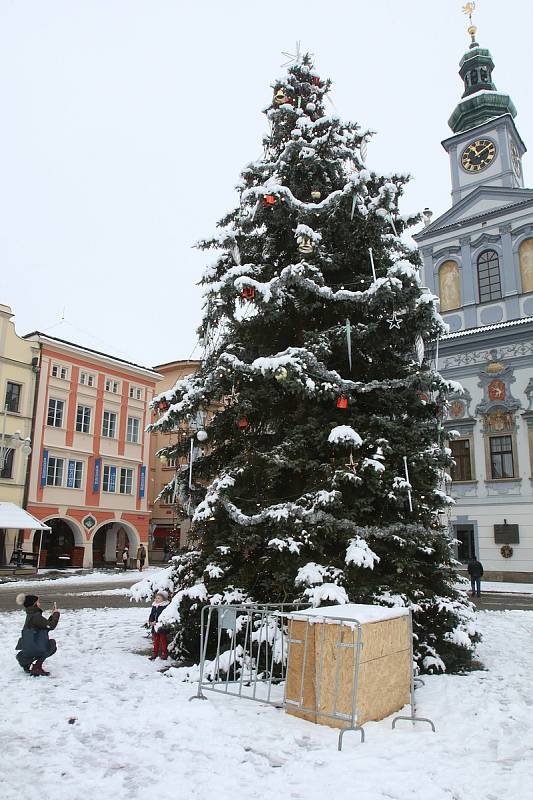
<point>474,256</point>
<point>478,258</point>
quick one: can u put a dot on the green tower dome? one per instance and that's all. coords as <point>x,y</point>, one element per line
<point>480,100</point>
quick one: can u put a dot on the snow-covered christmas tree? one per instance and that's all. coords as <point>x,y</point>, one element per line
<point>322,474</point>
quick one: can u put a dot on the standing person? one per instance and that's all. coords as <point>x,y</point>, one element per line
<point>141,557</point>
<point>34,644</point>
<point>475,570</point>
<point>159,637</point>
<point>125,557</point>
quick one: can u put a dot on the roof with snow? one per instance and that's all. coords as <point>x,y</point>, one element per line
<point>46,337</point>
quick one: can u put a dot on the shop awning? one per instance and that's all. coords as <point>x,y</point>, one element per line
<point>12,516</point>
<point>160,532</point>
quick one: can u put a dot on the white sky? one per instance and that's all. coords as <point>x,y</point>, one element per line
<point>125,125</point>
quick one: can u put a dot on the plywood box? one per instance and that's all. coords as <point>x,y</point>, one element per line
<point>322,685</point>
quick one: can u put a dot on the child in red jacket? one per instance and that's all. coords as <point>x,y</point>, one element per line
<point>159,637</point>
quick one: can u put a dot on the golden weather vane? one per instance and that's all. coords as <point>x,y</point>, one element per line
<point>469,9</point>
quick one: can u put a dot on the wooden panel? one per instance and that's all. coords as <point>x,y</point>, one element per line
<point>328,686</point>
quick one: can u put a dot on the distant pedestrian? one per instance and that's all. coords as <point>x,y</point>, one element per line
<point>141,557</point>
<point>125,557</point>
<point>159,637</point>
<point>475,570</point>
<point>34,645</point>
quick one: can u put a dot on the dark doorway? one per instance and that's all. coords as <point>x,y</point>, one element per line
<point>99,547</point>
<point>58,544</point>
<point>466,547</point>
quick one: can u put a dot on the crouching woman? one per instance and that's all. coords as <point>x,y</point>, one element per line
<point>34,645</point>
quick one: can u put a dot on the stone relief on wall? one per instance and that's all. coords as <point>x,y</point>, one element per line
<point>459,406</point>
<point>517,350</point>
<point>498,404</point>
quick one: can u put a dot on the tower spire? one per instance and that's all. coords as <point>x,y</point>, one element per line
<point>480,100</point>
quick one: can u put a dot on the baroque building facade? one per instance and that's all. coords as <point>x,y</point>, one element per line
<point>478,258</point>
<point>90,455</point>
<point>18,370</point>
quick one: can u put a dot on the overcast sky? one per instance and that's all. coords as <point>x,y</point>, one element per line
<point>125,125</point>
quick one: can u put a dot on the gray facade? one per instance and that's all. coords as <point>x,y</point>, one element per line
<point>478,258</point>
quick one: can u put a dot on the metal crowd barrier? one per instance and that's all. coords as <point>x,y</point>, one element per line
<point>245,649</point>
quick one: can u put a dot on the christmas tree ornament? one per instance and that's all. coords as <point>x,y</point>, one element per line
<point>163,458</point>
<point>363,150</point>
<point>349,342</point>
<point>281,374</point>
<point>201,435</point>
<point>394,321</point>
<point>293,58</point>
<point>305,245</point>
<point>419,347</point>
<point>242,423</point>
<point>236,254</point>
<point>409,497</point>
<point>163,406</point>
<point>315,80</point>
<point>280,98</point>
<point>390,220</point>
<point>342,402</point>
<point>354,203</point>
<point>269,200</point>
<point>248,293</point>
<point>315,194</point>
<point>371,254</point>
<point>351,465</point>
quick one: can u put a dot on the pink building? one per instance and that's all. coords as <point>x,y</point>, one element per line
<point>90,459</point>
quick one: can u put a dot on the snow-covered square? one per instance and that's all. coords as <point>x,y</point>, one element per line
<point>108,724</point>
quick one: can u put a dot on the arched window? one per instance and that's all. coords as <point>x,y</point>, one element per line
<point>449,286</point>
<point>525,256</point>
<point>488,276</point>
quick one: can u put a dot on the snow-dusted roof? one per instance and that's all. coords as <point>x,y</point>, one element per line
<point>485,328</point>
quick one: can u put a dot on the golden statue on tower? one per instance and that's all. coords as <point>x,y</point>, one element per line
<point>469,9</point>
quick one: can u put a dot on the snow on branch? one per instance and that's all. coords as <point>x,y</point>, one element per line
<point>359,554</point>
<point>344,434</point>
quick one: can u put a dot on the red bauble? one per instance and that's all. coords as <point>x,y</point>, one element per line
<point>248,292</point>
<point>342,402</point>
<point>242,423</point>
<point>316,80</point>
<point>269,200</point>
<point>163,406</point>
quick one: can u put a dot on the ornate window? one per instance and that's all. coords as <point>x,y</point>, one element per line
<point>488,274</point>
<point>449,286</point>
<point>462,469</point>
<point>525,256</point>
<point>501,457</point>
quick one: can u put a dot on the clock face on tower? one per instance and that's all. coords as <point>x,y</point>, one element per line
<point>478,155</point>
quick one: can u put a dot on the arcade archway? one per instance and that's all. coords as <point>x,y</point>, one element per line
<point>109,541</point>
<point>62,546</point>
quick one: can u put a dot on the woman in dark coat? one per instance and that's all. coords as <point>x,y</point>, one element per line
<point>34,644</point>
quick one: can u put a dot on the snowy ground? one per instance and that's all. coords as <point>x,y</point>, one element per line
<point>116,576</point>
<point>135,735</point>
<point>507,588</point>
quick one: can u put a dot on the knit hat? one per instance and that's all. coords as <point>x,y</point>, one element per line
<point>26,600</point>
<point>162,593</point>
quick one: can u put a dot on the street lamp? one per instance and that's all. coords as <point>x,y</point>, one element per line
<point>13,442</point>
